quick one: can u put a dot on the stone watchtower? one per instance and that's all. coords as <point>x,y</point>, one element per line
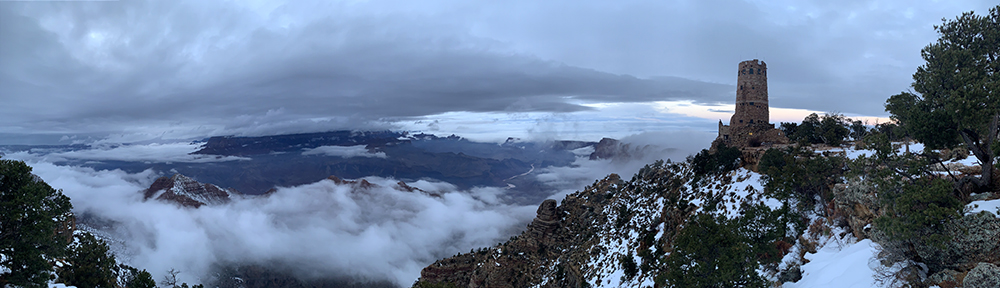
<point>750,125</point>
<point>751,94</point>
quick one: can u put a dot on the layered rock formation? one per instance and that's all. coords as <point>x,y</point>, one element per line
<point>187,192</point>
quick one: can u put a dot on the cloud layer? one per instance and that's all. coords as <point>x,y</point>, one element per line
<point>339,230</point>
<point>322,228</point>
<point>150,153</point>
<point>344,151</point>
<point>194,68</point>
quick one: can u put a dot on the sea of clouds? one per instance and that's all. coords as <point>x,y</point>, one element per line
<point>322,228</point>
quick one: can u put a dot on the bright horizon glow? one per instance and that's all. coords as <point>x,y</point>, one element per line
<point>777,114</point>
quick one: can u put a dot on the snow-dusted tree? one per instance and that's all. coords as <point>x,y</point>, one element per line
<point>91,266</point>
<point>31,213</point>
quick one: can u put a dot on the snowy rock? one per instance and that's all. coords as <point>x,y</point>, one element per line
<point>187,192</point>
<point>985,275</point>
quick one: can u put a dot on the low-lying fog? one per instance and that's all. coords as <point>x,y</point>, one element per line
<point>323,228</point>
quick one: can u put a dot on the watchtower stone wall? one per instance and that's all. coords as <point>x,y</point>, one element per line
<point>751,94</point>
<point>750,124</point>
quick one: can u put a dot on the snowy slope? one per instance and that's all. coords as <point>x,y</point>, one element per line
<point>839,264</point>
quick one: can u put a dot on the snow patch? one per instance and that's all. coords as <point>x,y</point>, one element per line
<point>839,266</point>
<point>992,206</point>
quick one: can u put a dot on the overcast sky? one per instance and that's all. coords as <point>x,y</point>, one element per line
<point>185,69</point>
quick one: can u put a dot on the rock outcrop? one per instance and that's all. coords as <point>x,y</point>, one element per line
<point>581,241</point>
<point>983,276</point>
<point>547,245</point>
<point>187,192</point>
<point>974,238</point>
<point>856,203</point>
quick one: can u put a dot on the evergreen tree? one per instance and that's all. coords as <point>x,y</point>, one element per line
<point>789,128</point>
<point>31,213</point>
<point>833,129</point>
<point>958,91</point>
<point>711,252</point>
<point>142,280</point>
<point>91,266</point>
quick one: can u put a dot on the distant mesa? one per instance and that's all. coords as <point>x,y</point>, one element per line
<point>187,192</point>
<point>750,125</point>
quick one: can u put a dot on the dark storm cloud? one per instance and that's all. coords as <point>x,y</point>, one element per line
<point>91,66</point>
<point>847,56</point>
<point>209,68</point>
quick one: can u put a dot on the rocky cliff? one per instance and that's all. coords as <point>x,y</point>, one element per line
<point>187,192</point>
<point>666,224</point>
<point>582,241</point>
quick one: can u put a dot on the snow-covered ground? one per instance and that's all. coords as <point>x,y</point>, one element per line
<point>839,263</point>
<point>853,152</point>
<point>992,206</point>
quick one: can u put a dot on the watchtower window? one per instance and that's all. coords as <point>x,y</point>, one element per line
<point>741,121</point>
<point>751,71</point>
<point>751,103</point>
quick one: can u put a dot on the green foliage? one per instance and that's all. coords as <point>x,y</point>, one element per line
<point>629,267</point>
<point>806,132</point>
<point>801,175</point>
<point>830,129</point>
<point>921,121</point>
<point>958,90</point>
<point>833,129</point>
<point>91,265</point>
<point>892,131</point>
<point>724,159</point>
<point>858,130</point>
<point>142,280</point>
<point>772,159</point>
<point>789,128</point>
<point>712,252</point>
<point>917,212</point>
<point>31,213</point>
<point>915,207</point>
<point>131,277</point>
<point>761,227</point>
